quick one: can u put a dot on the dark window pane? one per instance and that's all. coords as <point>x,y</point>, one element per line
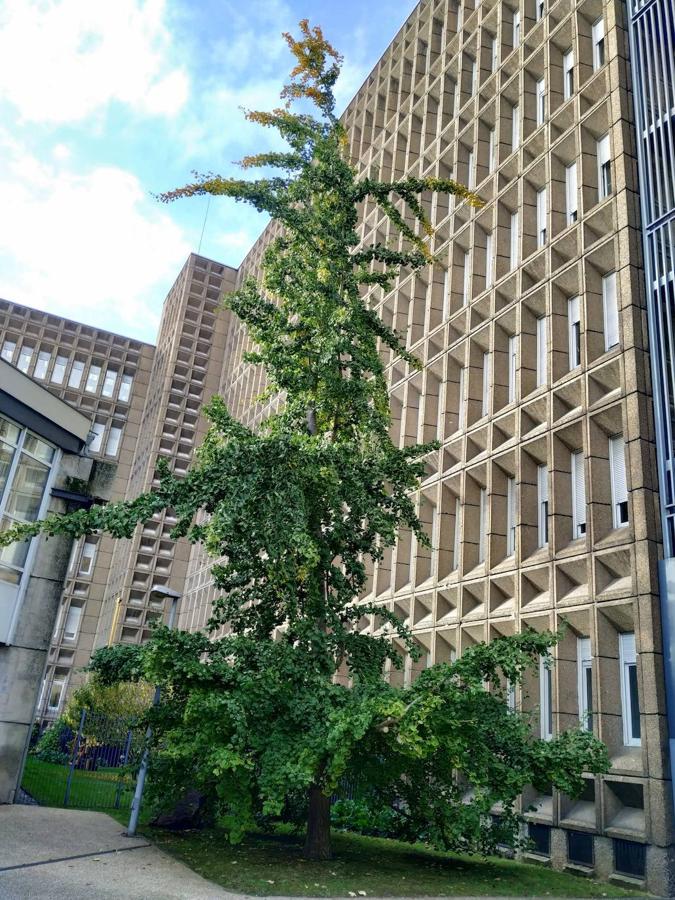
<point>580,848</point>
<point>629,858</point>
<point>634,702</point>
<point>540,835</point>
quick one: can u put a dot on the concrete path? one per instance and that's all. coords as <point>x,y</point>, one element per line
<point>63,854</point>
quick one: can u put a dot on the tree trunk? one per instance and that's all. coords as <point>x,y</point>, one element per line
<point>317,842</point>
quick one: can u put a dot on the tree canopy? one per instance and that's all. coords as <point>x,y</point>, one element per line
<point>252,712</point>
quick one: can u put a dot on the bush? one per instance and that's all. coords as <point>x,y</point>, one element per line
<point>55,745</point>
<point>364,818</point>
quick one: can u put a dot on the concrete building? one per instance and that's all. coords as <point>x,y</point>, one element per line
<point>42,470</point>
<point>545,334</point>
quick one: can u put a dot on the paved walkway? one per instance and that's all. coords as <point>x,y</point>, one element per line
<point>64,854</point>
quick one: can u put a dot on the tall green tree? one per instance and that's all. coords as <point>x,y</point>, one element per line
<point>293,511</point>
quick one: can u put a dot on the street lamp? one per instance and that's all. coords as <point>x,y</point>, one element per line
<point>156,592</point>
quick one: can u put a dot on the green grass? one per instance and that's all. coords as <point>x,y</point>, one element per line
<point>271,864</point>
<point>46,783</point>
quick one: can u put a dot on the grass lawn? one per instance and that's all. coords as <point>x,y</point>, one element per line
<point>46,783</point>
<point>271,864</point>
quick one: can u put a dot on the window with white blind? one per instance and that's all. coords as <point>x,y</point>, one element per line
<point>125,388</point>
<point>471,170</point>
<point>512,354</point>
<point>93,379</point>
<point>109,382</point>
<point>8,349</point>
<point>97,430</point>
<point>516,28</point>
<point>114,438</point>
<point>568,74</point>
<point>489,259</point>
<point>578,495</point>
<point>617,469</point>
<point>72,623</point>
<point>56,692</point>
<point>455,542</point>
<point>574,332</point>
<point>510,516</point>
<point>466,283</point>
<point>460,404</point>
<point>598,38</point>
<point>87,558</point>
<point>42,364</point>
<point>630,702</point>
<point>25,357</point>
<point>482,525</point>
<point>571,194</point>
<point>539,7</point>
<point>542,506</point>
<point>446,294</point>
<point>604,168</point>
<point>486,385</point>
<point>474,77</point>
<point>515,126</point>
<point>76,372</point>
<point>545,700</point>
<point>610,310</point>
<point>541,217</point>
<point>491,150</point>
<point>514,237</point>
<point>542,351</point>
<point>585,682</point>
<point>494,55</point>
<point>540,95</point>
<point>59,370</point>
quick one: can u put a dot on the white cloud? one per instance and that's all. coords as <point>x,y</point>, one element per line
<point>62,60</point>
<point>91,246</point>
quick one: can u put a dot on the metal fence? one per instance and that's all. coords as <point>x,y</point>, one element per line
<point>92,768</point>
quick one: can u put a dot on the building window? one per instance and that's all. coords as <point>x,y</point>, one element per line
<point>539,6</point>
<point>59,370</point>
<point>598,36</point>
<point>630,858</point>
<point>114,438</point>
<point>578,495</point>
<point>494,58</point>
<point>460,410</point>
<point>486,384</point>
<point>515,127</point>
<point>25,356</point>
<point>571,194</point>
<point>568,74</point>
<point>97,430</point>
<point>72,623</point>
<point>76,372</point>
<point>617,468</point>
<point>466,284</point>
<point>510,516</point>
<point>125,388</point>
<point>474,77</point>
<point>489,259</point>
<point>540,835</point>
<point>93,379</point>
<point>471,164</point>
<point>542,351</point>
<point>513,254</point>
<point>574,332</point>
<point>604,168</point>
<point>630,704</point>
<point>610,311</point>
<point>109,381</point>
<point>482,525</point>
<point>87,558</point>
<point>585,682</point>
<point>446,296</point>
<point>455,542</point>
<point>491,150</point>
<point>516,28</point>
<point>545,699</point>
<point>8,349</point>
<point>541,217</point>
<point>580,848</point>
<point>512,351</point>
<point>56,693</point>
<point>540,93</point>
<point>42,364</point>
<point>542,506</point>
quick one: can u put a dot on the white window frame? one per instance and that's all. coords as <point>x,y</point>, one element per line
<point>109,382</point>
<point>25,358</point>
<point>485,408</point>
<point>460,410</point>
<point>482,525</point>
<point>515,34</point>
<point>514,240</point>
<point>466,279</point>
<point>510,516</point>
<point>545,700</point>
<point>513,367</point>
<point>515,127</point>
<point>578,494</point>
<point>610,311</point>
<point>71,631</point>
<point>584,672</point>
<point>76,374</point>
<point>494,56</point>
<point>59,371</point>
<point>471,165</point>
<point>97,429</point>
<point>489,260</point>
<point>574,332</point>
<point>598,37</point>
<point>571,194</point>
<point>7,353</point>
<point>88,554</point>
<point>542,202</point>
<point>628,658</point>
<point>114,441</point>
<point>491,150</point>
<point>445,312</point>
<point>93,379</point>
<point>539,9</point>
<point>456,536</point>
<point>568,74</point>
<point>542,351</point>
<point>540,95</point>
<point>42,364</point>
<point>62,681</point>
<point>618,483</point>
<point>604,155</point>
<point>542,506</point>
<point>474,76</point>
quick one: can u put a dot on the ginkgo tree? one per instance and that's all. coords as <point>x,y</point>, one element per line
<point>252,713</point>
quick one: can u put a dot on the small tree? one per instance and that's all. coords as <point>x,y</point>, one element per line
<point>295,509</point>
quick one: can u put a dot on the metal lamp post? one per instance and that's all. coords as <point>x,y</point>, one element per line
<point>157,591</point>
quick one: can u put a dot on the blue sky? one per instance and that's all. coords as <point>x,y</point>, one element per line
<point>102,103</point>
